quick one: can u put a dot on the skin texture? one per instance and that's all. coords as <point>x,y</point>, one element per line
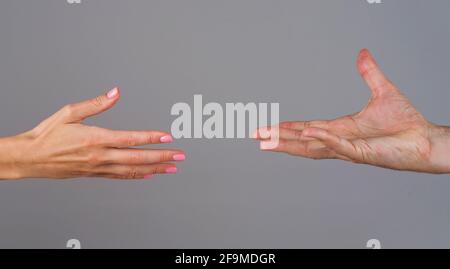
<point>63,147</point>
<point>389,132</point>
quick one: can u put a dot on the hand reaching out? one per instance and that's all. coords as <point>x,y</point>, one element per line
<point>389,132</point>
<point>63,147</point>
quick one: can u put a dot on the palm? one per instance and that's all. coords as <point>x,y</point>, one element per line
<point>388,132</point>
<point>384,131</point>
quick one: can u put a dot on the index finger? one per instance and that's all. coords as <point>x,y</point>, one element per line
<point>301,125</point>
<point>126,139</point>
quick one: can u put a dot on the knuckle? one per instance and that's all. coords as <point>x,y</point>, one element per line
<point>91,140</point>
<point>298,135</point>
<point>68,110</point>
<point>94,159</point>
<point>131,174</point>
<point>136,157</point>
<point>151,138</point>
<point>155,170</point>
<point>97,101</point>
<point>130,140</point>
<point>164,156</point>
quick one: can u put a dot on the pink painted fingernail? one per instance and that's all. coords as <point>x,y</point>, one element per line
<point>148,176</point>
<point>112,93</point>
<point>166,139</point>
<point>171,170</point>
<point>179,157</point>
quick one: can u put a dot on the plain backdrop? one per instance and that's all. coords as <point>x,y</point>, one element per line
<point>228,194</point>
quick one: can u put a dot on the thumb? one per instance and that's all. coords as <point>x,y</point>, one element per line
<point>80,111</point>
<point>372,74</point>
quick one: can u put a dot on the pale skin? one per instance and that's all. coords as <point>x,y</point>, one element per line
<point>389,132</point>
<point>62,147</point>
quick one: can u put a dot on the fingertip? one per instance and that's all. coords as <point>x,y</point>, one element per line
<point>265,133</point>
<point>365,61</point>
<point>149,176</point>
<point>364,52</point>
<point>172,170</point>
<point>268,145</point>
<point>257,133</point>
<point>179,157</point>
<point>113,93</point>
<point>167,138</point>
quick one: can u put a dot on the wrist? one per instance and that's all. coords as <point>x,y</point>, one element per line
<point>440,149</point>
<point>11,157</point>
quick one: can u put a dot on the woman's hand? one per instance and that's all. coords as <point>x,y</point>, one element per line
<point>389,132</point>
<point>62,147</point>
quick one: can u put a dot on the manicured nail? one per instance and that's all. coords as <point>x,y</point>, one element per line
<point>171,170</point>
<point>179,157</point>
<point>112,93</point>
<point>166,139</point>
<point>148,176</point>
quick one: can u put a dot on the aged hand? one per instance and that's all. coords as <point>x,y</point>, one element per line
<point>389,132</point>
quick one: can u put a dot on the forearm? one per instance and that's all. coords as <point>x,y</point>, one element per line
<point>440,149</point>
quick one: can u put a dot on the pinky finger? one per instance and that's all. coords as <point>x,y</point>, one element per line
<point>135,171</point>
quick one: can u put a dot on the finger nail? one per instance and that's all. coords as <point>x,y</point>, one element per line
<point>112,93</point>
<point>166,139</point>
<point>148,176</point>
<point>171,170</point>
<point>179,157</point>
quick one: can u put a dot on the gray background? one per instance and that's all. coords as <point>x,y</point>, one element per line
<point>228,194</point>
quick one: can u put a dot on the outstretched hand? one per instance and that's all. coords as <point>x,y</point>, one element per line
<point>63,147</point>
<point>389,132</point>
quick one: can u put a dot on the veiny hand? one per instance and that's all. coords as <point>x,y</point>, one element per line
<point>389,132</point>
<point>62,147</point>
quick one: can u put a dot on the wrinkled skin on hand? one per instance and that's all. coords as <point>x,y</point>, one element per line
<point>389,132</point>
